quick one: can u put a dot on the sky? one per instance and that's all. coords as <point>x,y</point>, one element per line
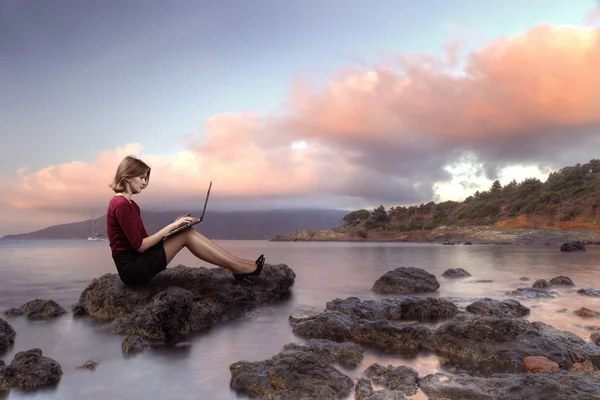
<point>341,104</point>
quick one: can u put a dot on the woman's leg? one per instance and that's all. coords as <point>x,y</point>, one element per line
<point>205,249</point>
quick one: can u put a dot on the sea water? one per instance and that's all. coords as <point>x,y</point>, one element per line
<point>61,269</point>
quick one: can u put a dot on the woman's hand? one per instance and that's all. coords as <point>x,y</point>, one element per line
<point>181,220</point>
<point>181,216</point>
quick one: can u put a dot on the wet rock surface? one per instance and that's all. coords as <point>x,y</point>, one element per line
<point>29,370</point>
<point>37,309</point>
<point>589,292</point>
<point>364,391</point>
<point>561,281</point>
<point>406,280</point>
<point>346,353</point>
<point>557,385</point>
<point>498,308</point>
<point>483,345</point>
<point>291,374</point>
<point>455,273</point>
<point>396,308</point>
<point>399,378</point>
<point>133,344</point>
<point>381,334</point>
<point>7,335</point>
<point>89,364</point>
<point>532,293</point>
<point>180,300</point>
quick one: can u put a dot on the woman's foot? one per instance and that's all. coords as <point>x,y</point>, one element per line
<point>260,262</point>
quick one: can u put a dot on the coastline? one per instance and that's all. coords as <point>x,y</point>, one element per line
<point>448,235</point>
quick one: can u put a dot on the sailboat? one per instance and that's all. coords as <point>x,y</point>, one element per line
<point>95,235</point>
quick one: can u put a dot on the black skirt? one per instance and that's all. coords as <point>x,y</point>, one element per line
<point>137,268</point>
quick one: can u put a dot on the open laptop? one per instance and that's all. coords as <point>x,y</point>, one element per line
<point>192,223</point>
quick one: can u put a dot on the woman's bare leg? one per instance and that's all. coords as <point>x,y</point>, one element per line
<point>206,250</point>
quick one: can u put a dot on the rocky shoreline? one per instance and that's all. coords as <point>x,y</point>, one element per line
<point>490,349</point>
<point>446,235</point>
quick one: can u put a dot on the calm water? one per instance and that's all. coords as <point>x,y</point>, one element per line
<point>61,269</point>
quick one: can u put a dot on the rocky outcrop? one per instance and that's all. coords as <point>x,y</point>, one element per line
<point>532,293</point>
<point>380,334</point>
<point>399,378</point>
<point>180,300</point>
<point>29,370</point>
<point>346,353</point>
<point>37,309</point>
<point>496,308</point>
<point>7,336</point>
<point>573,246</point>
<point>396,308</point>
<point>484,345</point>
<point>364,391</point>
<point>405,280</point>
<point>291,374</point>
<point>557,385</point>
<point>589,292</point>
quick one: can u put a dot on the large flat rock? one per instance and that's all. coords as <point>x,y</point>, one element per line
<point>180,300</point>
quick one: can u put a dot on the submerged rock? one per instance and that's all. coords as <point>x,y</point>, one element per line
<point>29,370</point>
<point>89,364</point>
<point>291,374</point>
<point>561,281</point>
<point>133,344</point>
<point>483,345</point>
<point>496,308</point>
<point>455,273</point>
<point>347,354</point>
<point>557,385</point>
<point>7,335</point>
<point>405,280</point>
<point>589,292</point>
<point>364,391</point>
<point>396,308</point>
<point>532,293</point>
<point>37,309</point>
<point>180,300</point>
<point>540,284</point>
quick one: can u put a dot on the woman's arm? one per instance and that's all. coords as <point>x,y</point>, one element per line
<point>151,240</point>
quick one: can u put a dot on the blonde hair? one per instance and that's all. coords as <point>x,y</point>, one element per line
<point>129,167</point>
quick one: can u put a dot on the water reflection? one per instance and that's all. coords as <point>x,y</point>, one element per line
<point>325,271</point>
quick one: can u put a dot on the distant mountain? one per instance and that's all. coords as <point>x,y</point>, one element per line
<point>241,225</point>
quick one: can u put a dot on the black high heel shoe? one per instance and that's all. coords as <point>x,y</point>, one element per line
<point>260,263</point>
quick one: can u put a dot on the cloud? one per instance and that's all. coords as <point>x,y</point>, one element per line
<point>592,17</point>
<point>373,135</point>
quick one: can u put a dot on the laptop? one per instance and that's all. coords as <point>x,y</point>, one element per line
<point>192,223</point>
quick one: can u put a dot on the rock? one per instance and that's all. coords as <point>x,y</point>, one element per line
<point>484,281</point>
<point>586,312</point>
<point>557,385</point>
<point>399,378</point>
<point>290,375</point>
<point>573,246</point>
<point>561,281</point>
<point>455,273</point>
<point>524,278</point>
<point>588,327</point>
<point>302,314</point>
<point>180,300</point>
<point>582,366</point>
<point>534,364</point>
<point>406,280</point>
<point>77,310</point>
<point>364,391</point>
<point>495,308</point>
<point>562,310</point>
<point>532,293</point>
<point>134,344</point>
<point>589,292</point>
<point>37,309</point>
<point>396,308</point>
<point>540,284</point>
<point>379,334</point>
<point>485,345</point>
<point>467,243</point>
<point>595,338</point>
<point>30,370</point>
<point>7,335</point>
<point>89,364</point>
<point>347,354</point>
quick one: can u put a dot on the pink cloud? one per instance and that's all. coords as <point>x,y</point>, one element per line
<point>384,133</point>
<point>592,17</point>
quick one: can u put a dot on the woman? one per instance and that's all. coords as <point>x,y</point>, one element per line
<point>139,257</point>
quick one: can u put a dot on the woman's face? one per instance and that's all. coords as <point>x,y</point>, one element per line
<point>138,183</point>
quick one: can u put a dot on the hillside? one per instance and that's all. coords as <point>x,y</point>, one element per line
<point>568,200</point>
<point>242,225</point>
